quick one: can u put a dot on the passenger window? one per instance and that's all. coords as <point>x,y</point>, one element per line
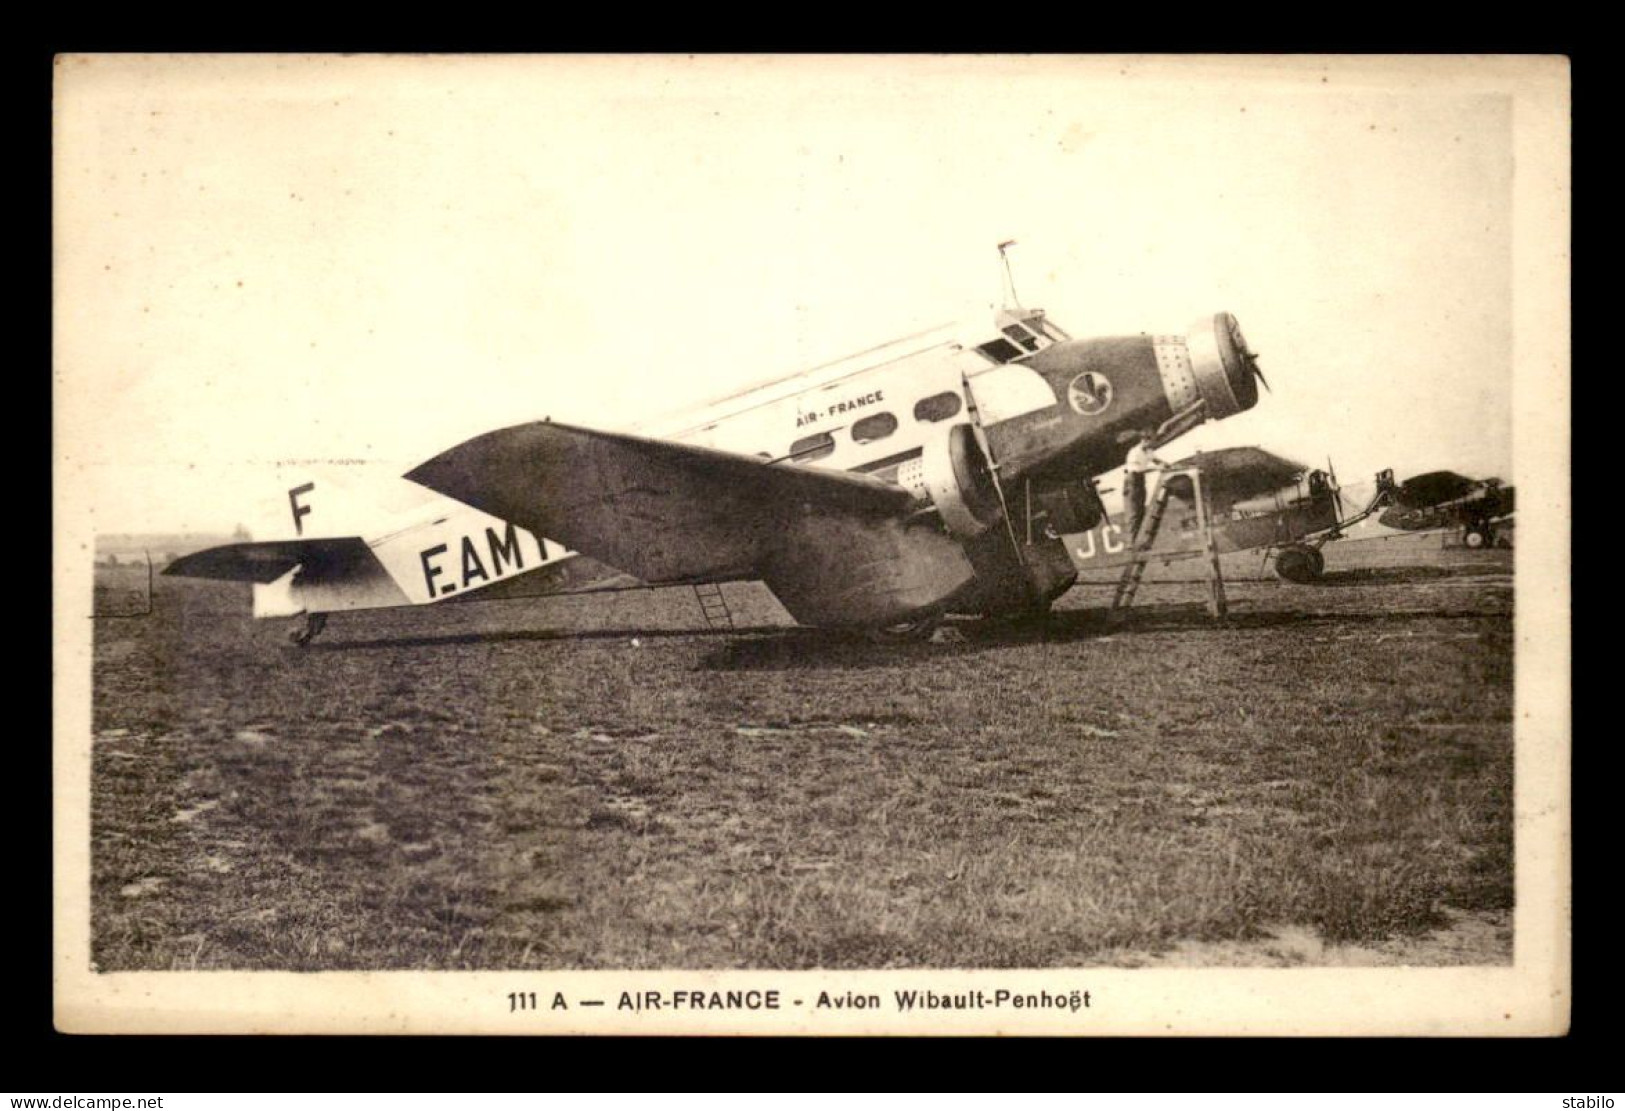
<point>877,427</point>
<point>1000,350</point>
<point>809,448</point>
<point>939,407</point>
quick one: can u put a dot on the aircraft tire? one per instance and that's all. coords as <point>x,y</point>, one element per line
<point>308,629</point>
<point>917,629</point>
<point>1295,565</point>
<point>1476,538</point>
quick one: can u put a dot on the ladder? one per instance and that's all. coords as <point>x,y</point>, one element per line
<point>1129,584</point>
<point>714,605</point>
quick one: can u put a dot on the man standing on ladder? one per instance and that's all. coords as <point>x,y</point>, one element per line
<point>1139,461</point>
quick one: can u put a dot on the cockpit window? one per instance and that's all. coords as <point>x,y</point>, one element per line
<point>872,428</point>
<point>1050,331</point>
<point>1021,336</point>
<point>808,448</point>
<point>938,407</point>
<point>1000,350</point>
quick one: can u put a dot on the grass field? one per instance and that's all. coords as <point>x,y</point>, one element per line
<point>599,783</point>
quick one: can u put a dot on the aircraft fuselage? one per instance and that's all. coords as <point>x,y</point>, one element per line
<point>998,434</point>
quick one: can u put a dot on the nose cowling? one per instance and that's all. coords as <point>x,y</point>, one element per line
<point>1211,364</point>
<point>1226,369</point>
<point>1106,389</point>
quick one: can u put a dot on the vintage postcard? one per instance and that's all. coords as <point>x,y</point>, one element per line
<point>817,545</point>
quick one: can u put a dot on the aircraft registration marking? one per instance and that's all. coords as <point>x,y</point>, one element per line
<point>506,548</point>
<point>1111,542</point>
<point>300,510</point>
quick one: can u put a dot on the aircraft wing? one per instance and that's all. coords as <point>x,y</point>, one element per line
<point>265,561</point>
<point>1238,473</point>
<point>1426,491</point>
<point>659,510</point>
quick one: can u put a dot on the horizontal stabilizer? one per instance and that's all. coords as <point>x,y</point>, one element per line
<point>265,561</point>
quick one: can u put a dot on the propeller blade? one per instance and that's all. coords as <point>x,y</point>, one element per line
<point>1252,361</point>
<point>980,434</point>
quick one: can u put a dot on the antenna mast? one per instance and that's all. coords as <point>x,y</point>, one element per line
<point>1009,290</point>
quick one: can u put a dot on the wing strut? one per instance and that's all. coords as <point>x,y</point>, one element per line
<point>993,469</point>
<point>1180,423</point>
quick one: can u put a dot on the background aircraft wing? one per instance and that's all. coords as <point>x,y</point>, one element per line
<point>1238,473</point>
<point>1443,499</point>
<point>1434,488</point>
<point>265,561</point>
<point>659,510</point>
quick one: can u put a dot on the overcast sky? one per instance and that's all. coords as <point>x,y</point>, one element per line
<point>261,260</point>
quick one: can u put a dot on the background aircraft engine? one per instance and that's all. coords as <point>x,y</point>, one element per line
<point>953,475</point>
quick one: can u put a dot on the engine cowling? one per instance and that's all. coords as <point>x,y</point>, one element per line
<point>1209,363</point>
<point>953,475</point>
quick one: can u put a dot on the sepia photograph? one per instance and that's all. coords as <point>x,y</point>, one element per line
<point>811,544</point>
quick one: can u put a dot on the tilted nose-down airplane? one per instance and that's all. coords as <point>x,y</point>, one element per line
<point>932,475</point>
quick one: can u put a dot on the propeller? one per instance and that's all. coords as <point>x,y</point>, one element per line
<point>993,466</point>
<point>1248,356</point>
<point>1337,491</point>
<point>1252,363</point>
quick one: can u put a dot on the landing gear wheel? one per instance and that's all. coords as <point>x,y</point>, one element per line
<point>1317,560</point>
<point>1477,536</point>
<point>308,629</point>
<point>1297,565</point>
<point>916,629</point>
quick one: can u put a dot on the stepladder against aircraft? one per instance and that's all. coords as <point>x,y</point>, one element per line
<point>935,474</point>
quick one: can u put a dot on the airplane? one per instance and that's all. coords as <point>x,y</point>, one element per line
<point>1256,499</point>
<point>931,475</point>
<point>1259,500</point>
<point>1445,500</point>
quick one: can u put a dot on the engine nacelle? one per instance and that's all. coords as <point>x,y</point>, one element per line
<point>1209,363</point>
<point>953,475</point>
